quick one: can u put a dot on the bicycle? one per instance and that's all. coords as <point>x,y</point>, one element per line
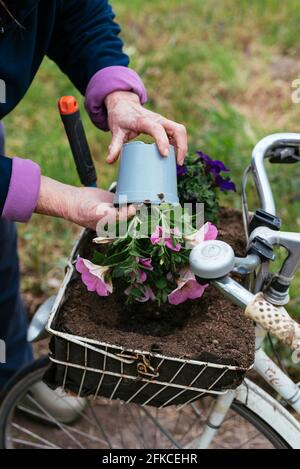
<point>248,416</point>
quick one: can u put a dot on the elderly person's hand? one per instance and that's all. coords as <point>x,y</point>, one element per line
<point>82,205</point>
<point>127,118</point>
<point>114,100</point>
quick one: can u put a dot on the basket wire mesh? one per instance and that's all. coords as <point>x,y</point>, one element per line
<point>145,374</point>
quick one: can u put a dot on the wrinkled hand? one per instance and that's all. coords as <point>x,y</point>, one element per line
<point>127,118</point>
<point>82,205</point>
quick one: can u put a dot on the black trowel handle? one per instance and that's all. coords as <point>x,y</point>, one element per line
<point>70,116</point>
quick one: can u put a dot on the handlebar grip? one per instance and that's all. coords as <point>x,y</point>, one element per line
<point>70,115</point>
<point>275,320</point>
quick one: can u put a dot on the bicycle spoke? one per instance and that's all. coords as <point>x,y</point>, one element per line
<point>99,426</point>
<point>155,431</point>
<point>119,427</point>
<point>163,430</point>
<point>190,431</point>
<point>86,418</point>
<point>140,430</point>
<point>248,441</point>
<point>55,421</point>
<point>29,443</point>
<point>33,413</point>
<point>34,435</point>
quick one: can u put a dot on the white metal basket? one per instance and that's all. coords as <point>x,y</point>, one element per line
<point>89,367</point>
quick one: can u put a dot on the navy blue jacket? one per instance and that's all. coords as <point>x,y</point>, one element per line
<point>79,35</point>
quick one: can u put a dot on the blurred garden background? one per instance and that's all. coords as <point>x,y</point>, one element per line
<point>224,68</point>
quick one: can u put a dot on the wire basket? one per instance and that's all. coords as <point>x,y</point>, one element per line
<point>89,367</point>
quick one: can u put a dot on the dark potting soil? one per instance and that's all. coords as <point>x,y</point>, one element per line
<point>210,328</point>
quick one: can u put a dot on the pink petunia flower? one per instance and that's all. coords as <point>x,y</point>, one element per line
<point>142,276</point>
<point>188,288</point>
<point>206,233</point>
<point>146,263</point>
<point>163,236</point>
<point>94,277</point>
<point>147,293</point>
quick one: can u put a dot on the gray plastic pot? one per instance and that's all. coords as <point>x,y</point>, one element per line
<point>145,176</point>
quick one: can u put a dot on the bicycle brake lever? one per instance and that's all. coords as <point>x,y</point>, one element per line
<point>287,155</point>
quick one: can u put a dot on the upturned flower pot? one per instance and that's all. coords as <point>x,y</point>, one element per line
<point>145,176</point>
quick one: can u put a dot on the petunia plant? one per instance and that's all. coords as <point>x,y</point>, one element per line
<point>150,260</point>
<point>200,180</point>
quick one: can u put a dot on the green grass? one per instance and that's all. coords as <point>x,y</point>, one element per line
<point>222,67</point>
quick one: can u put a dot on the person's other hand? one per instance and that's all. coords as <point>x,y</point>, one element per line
<point>127,118</point>
<point>84,206</point>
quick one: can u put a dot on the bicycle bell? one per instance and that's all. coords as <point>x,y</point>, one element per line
<point>212,259</point>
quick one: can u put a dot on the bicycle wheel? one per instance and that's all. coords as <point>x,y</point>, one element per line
<point>111,424</point>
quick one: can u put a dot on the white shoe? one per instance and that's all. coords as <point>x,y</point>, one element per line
<point>43,403</point>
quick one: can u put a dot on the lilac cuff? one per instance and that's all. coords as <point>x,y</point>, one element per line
<point>23,191</point>
<point>106,81</point>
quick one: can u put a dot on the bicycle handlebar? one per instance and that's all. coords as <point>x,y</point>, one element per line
<point>213,260</point>
<point>273,319</point>
<point>265,149</point>
<point>279,148</point>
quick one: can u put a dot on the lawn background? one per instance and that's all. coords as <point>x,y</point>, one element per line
<point>224,68</point>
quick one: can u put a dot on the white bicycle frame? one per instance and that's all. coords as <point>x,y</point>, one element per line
<point>257,400</point>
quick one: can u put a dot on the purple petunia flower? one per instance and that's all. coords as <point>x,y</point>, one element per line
<point>225,184</point>
<point>181,171</point>
<point>213,166</point>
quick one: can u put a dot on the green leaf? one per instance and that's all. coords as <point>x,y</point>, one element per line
<point>135,292</point>
<point>98,258</point>
<point>161,283</point>
<point>118,272</point>
<point>164,296</point>
<point>116,258</point>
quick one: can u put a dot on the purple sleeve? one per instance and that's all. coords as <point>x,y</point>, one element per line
<point>23,191</point>
<point>106,81</point>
